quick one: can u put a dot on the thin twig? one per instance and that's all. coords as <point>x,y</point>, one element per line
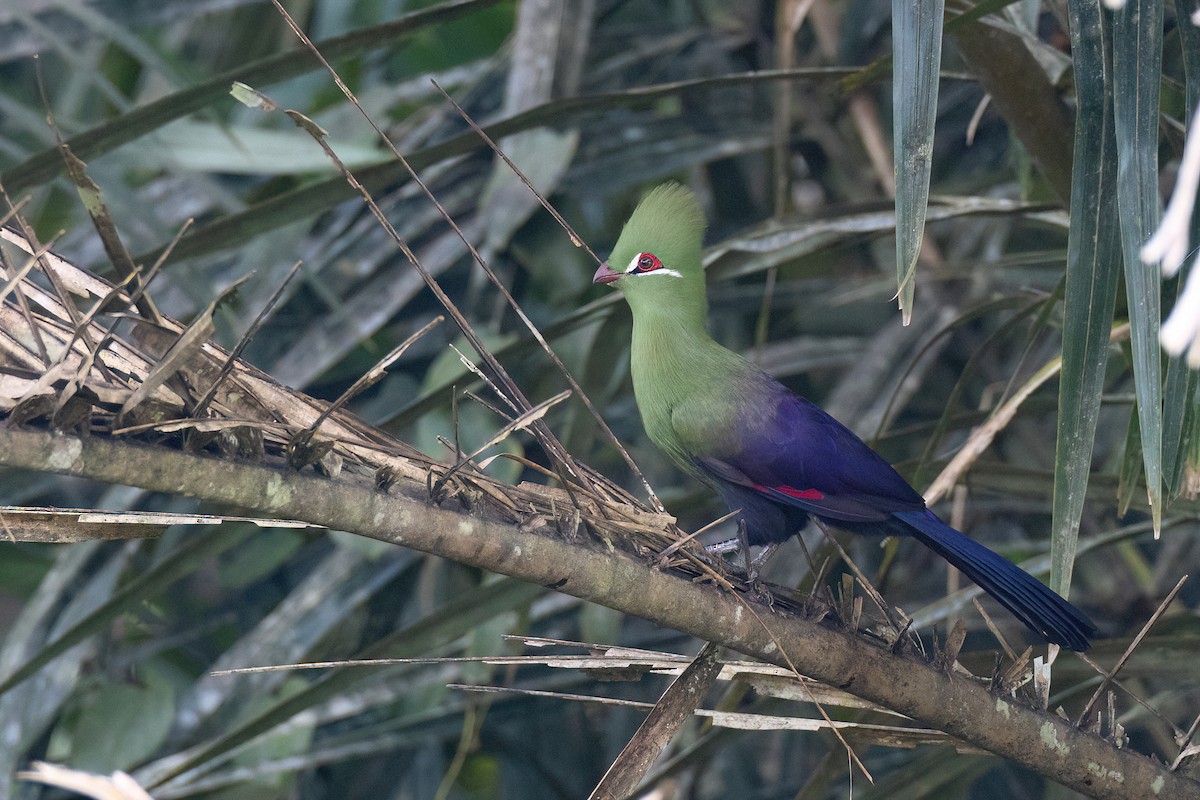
<point>250,333</point>
<point>537,334</point>
<point>1137,640</point>
<point>22,303</point>
<point>991,626</point>
<point>670,551</point>
<point>546,438</point>
<point>566,226</point>
<point>372,375</point>
<point>868,587</point>
<point>521,422</point>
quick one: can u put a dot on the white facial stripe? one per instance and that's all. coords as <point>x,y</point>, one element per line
<point>660,271</point>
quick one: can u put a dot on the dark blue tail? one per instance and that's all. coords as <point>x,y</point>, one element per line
<point>1029,599</point>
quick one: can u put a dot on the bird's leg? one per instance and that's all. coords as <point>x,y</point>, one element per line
<point>741,543</point>
<point>737,543</point>
<point>757,590</point>
<point>721,548</point>
<point>744,543</point>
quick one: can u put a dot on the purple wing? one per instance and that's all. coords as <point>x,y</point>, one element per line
<point>789,458</point>
<point>794,453</point>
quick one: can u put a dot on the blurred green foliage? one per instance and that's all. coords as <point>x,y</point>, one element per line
<point>140,91</point>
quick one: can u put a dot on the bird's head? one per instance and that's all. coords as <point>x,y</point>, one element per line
<point>656,261</point>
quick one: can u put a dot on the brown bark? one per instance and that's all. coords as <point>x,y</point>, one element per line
<point>961,707</point>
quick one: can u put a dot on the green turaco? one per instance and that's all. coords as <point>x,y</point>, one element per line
<point>772,456</point>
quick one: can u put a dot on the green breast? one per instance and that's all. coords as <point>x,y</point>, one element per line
<point>686,390</point>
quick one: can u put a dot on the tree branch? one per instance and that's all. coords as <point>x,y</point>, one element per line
<point>949,702</point>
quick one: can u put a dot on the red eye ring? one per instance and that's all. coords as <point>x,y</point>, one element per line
<point>648,262</point>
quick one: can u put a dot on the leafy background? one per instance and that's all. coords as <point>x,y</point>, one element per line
<point>597,101</point>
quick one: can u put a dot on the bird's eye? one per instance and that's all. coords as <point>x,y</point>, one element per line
<point>648,262</point>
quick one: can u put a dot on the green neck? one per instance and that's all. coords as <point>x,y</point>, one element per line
<point>676,364</point>
<point>683,311</point>
<point>671,346</point>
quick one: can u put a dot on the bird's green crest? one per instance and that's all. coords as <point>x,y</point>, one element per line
<point>669,224</point>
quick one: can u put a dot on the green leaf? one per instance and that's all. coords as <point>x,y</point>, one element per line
<point>245,150</point>
<point>1093,268</point>
<point>286,208</point>
<point>1137,65</point>
<point>152,116</point>
<point>68,591</point>
<point>1131,462</point>
<point>420,639</point>
<point>1189,37</point>
<point>917,54</point>
<point>181,562</point>
<point>142,714</point>
<point>1180,388</point>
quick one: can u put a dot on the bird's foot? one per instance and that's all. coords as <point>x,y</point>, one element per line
<point>757,588</point>
<point>754,565</point>
<point>760,591</point>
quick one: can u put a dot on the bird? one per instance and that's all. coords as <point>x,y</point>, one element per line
<point>773,457</point>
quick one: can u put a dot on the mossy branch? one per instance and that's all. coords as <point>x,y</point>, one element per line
<point>586,569</point>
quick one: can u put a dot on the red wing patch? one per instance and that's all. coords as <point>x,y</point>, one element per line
<point>799,494</point>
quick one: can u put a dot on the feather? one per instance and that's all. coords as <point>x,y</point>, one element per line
<point>1028,599</point>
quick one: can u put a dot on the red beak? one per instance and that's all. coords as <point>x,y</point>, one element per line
<point>605,275</point>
